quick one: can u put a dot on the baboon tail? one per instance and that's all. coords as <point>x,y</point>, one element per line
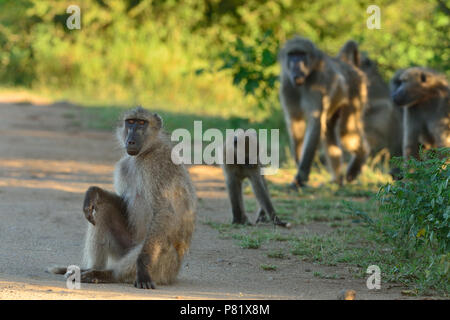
<point>56,270</point>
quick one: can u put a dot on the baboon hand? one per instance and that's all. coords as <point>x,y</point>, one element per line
<point>90,204</point>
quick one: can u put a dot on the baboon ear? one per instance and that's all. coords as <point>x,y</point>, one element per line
<point>156,121</point>
<point>423,77</point>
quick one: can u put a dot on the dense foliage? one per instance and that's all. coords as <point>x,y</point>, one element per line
<point>149,50</point>
<point>416,215</point>
<point>419,204</point>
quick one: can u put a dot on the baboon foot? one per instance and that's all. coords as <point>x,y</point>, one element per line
<point>296,185</point>
<point>262,218</point>
<point>143,281</point>
<point>96,276</point>
<point>278,222</point>
<point>242,220</point>
<point>352,173</point>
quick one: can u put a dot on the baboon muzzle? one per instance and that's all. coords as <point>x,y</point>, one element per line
<point>398,98</point>
<point>132,146</point>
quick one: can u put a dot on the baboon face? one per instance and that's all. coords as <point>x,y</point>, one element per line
<point>409,86</point>
<point>136,133</point>
<point>297,64</point>
<point>138,130</point>
<point>299,56</point>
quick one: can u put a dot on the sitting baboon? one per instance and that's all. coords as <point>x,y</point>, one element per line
<point>425,94</point>
<point>382,119</point>
<point>246,144</point>
<point>140,232</point>
<point>329,95</point>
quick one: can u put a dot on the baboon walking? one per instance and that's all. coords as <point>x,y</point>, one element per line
<point>235,173</point>
<point>322,97</point>
<point>140,232</point>
<point>425,94</point>
<point>382,119</point>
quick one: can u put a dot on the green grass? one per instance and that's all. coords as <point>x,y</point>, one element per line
<point>339,233</point>
<point>268,267</point>
<point>277,254</point>
<point>321,275</point>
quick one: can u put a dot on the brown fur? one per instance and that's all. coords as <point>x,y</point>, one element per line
<point>425,94</point>
<point>236,172</point>
<point>382,119</point>
<point>325,103</point>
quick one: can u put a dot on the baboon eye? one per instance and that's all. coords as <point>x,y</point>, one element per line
<point>141,122</point>
<point>130,121</point>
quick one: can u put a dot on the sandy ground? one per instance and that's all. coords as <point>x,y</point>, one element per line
<point>46,164</point>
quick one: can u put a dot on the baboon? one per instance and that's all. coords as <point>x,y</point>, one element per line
<point>382,119</point>
<point>236,172</point>
<point>140,232</point>
<point>425,96</point>
<point>322,97</point>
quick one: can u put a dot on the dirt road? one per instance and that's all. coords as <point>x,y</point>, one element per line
<point>46,164</point>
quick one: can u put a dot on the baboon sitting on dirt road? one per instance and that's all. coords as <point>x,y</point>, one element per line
<point>141,232</point>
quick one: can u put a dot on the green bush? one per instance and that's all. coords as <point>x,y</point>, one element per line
<point>138,51</point>
<point>415,215</point>
<point>418,206</point>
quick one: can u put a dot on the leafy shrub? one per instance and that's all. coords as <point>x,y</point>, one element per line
<point>415,219</point>
<point>252,67</point>
<point>418,206</point>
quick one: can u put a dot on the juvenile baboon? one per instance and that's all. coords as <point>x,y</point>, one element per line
<point>140,232</point>
<point>235,173</point>
<point>425,94</point>
<point>322,97</point>
<point>382,119</point>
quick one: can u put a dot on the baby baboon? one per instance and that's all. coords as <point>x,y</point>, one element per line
<point>141,232</point>
<point>382,120</point>
<point>329,95</point>
<point>235,173</point>
<point>425,94</point>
